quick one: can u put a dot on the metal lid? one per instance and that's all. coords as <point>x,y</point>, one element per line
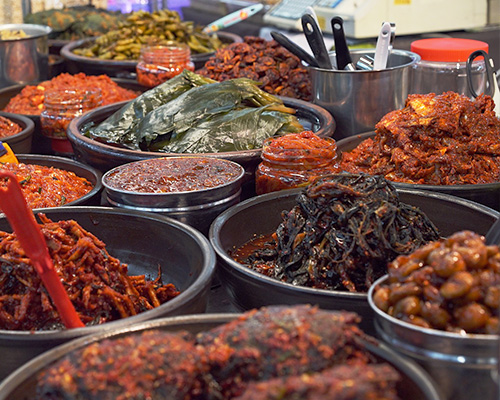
<point>447,49</point>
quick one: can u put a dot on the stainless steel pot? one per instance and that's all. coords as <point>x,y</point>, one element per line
<point>26,59</point>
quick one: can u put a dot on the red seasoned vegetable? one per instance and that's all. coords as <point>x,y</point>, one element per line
<point>8,127</point>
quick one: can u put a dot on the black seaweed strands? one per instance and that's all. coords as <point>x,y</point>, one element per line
<point>342,233</point>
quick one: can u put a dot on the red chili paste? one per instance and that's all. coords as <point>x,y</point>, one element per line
<point>8,127</point>
<point>176,174</point>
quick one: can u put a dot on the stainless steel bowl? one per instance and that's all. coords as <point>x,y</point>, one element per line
<point>463,366</point>
<point>415,383</point>
<point>82,170</point>
<point>486,193</point>
<point>106,156</point>
<point>124,68</point>
<point>20,143</point>
<point>262,214</point>
<point>144,241</point>
<point>26,59</point>
<point>197,208</point>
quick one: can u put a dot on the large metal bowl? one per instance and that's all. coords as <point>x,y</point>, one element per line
<point>415,383</point>
<point>20,143</point>
<point>123,68</point>
<point>42,144</point>
<point>464,366</point>
<point>144,241</point>
<point>106,156</point>
<point>486,193</point>
<point>82,170</point>
<point>261,215</point>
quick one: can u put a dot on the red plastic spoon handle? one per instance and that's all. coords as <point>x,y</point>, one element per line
<point>30,236</point>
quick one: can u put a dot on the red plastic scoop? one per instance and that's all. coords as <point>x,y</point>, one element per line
<point>30,236</point>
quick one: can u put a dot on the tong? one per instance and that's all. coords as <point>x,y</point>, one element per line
<point>30,236</point>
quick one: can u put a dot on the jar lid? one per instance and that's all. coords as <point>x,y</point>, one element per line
<point>447,49</point>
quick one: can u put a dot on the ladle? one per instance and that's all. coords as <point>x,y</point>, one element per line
<point>493,234</point>
<point>30,236</point>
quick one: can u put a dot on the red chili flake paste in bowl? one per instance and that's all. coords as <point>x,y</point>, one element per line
<point>173,174</point>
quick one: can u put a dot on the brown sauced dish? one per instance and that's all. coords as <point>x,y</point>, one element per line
<point>175,174</point>
<point>452,284</point>
<point>444,139</point>
<point>97,283</point>
<point>30,100</point>
<point>8,127</point>
<point>277,70</point>
<point>44,186</point>
<point>274,346</point>
<point>340,235</point>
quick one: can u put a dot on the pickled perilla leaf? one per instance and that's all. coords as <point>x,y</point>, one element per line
<point>192,114</point>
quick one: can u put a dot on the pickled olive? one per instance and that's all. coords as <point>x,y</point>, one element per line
<point>410,305</point>
<point>472,317</point>
<point>459,282</point>
<point>381,298</point>
<point>457,285</point>
<point>403,290</point>
<point>435,315</point>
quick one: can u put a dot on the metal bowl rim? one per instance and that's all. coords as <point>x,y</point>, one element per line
<point>417,329</point>
<point>74,133</point>
<point>234,182</point>
<point>457,188</point>
<point>45,30</point>
<point>409,367</point>
<point>192,291</point>
<point>217,224</point>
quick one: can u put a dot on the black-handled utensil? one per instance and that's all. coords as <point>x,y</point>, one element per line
<point>294,48</point>
<point>342,53</point>
<point>316,41</point>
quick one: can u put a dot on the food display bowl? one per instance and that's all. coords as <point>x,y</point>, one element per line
<point>124,68</point>
<point>144,241</point>
<point>463,366</point>
<point>261,215</point>
<point>197,208</point>
<point>485,193</point>
<point>42,144</point>
<point>415,384</point>
<point>94,176</point>
<point>20,143</point>
<point>106,156</point>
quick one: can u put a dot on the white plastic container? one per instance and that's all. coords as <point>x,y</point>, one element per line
<point>442,66</point>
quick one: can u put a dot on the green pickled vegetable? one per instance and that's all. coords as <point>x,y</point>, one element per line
<point>192,114</point>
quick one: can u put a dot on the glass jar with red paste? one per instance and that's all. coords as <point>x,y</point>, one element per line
<point>159,63</point>
<point>61,106</point>
<point>293,160</point>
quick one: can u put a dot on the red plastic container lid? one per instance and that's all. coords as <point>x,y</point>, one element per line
<point>447,49</point>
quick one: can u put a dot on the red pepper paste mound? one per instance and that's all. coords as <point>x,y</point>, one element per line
<point>8,127</point>
<point>444,139</point>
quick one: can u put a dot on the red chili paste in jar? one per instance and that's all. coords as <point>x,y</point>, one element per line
<point>47,186</point>
<point>176,174</point>
<point>8,127</point>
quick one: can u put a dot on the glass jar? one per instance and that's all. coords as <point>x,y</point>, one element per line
<point>293,160</point>
<point>443,68</point>
<point>61,106</point>
<point>160,63</point>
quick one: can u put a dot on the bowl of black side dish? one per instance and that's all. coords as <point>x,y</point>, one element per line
<point>261,215</point>
<point>145,242</point>
<point>94,176</point>
<point>20,142</point>
<point>40,143</point>
<point>414,384</point>
<point>123,68</point>
<point>105,156</point>
<point>484,193</point>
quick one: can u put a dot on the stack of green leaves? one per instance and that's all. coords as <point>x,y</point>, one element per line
<point>193,114</point>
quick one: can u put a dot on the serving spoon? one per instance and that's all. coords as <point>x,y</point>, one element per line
<point>28,232</point>
<point>493,234</point>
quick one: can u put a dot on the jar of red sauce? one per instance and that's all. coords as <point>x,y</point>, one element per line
<point>159,63</point>
<point>61,106</point>
<point>293,160</point>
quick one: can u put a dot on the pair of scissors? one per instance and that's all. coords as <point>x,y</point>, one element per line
<point>491,76</point>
